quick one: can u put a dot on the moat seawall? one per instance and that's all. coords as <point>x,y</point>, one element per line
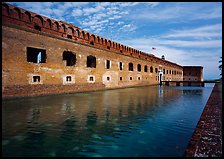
<point>206,140</point>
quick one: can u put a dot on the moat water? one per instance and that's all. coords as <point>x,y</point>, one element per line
<point>143,121</point>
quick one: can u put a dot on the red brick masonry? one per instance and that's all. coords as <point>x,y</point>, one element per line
<point>206,140</point>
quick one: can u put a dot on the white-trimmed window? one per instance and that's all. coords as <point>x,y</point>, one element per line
<point>68,79</point>
<point>35,79</point>
<point>91,79</point>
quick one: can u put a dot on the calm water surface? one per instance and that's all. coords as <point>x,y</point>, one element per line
<point>143,121</point>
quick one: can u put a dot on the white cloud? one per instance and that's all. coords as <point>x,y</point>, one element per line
<point>179,11</point>
<point>210,31</point>
<point>77,12</point>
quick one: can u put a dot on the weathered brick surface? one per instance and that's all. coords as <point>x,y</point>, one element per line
<point>206,140</point>
<point>47,89</point>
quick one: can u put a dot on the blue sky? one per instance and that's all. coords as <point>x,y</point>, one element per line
<point>187,33</point>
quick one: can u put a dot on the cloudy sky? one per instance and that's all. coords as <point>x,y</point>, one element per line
<point>187,33</point>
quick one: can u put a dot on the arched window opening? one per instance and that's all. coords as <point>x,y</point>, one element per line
<point>139,68</point>
<point>146,68</point>
<point>130,67</point>
<point>91,61</point>
<point>69,58</point>
<point>151,69</point>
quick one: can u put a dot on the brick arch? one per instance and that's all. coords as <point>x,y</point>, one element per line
<point>56,26</point>
<point>38,20</point>
<point>92,38</point>
<point>48,24</point>
<point>98,39</point>
<point>87,36</point>
<point>77,33</point>
<point>83,34</point>
<point>109,43</point>
<point>70,31</point>
<point>5,9</point>
<point>16,13</point>
<point>105,41</point>
<point>26,16</point>
<point>63,28</point>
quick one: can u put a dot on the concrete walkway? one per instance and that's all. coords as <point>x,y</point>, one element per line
<point>206,140</point>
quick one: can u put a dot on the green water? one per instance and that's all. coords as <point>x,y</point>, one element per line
<point>144,121</point>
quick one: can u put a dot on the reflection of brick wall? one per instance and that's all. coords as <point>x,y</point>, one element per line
<point>192,73</point>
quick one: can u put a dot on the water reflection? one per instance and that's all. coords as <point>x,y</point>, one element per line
<point>80,124</point>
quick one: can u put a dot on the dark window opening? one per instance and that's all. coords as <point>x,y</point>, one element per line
<point>130,67</point>
<point>108,64</point>
<point>108,47</point>
<point>68,78</point>
<point>37,27</point>
<point>120,51</point>
<point>69,57</point>
<point>120,66</point>
<point>91,78</point>
<point>130,78</point>
<point>139,68</point>
<point>36,78</point>
<point>167,71</point>
<point>156,70</point>
<point>36,55</point>
<point>108,78</point>
<point>91,42</point>
<point>151,69</point>
<point>91,61</point>
<point>69,36</point>
<point>146,68</point>
<point>120,78</point>
<point>139,78</point>
<point>164,71</point>
<point>170,71</point>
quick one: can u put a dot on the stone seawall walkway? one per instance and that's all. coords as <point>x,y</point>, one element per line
<point>206,140</point>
